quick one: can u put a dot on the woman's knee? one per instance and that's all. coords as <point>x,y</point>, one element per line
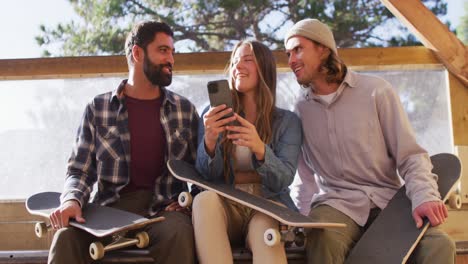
<point>208,209</point>
<point>206,201</point>
<point>262,221</point>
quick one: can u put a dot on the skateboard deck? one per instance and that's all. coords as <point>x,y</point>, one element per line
<point>101,221</point>
<point>393,235</point>
<point>187,173</point>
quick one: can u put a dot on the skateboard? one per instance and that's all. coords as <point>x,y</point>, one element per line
<point>291,225</point>
<point>101,221</point>
<point>393,235</point>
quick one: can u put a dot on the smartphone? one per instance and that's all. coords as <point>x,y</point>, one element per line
<point>219,93</point>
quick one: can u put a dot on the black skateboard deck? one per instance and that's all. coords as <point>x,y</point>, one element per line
<point>187,173</point>
<point>101,221</point>
<point>393,235</point>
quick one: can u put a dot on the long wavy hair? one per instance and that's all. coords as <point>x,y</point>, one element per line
<point>266,96</point>
<point>333,67</point>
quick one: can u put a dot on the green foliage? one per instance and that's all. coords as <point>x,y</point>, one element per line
<point>462,29</point>
<point>216,25</point>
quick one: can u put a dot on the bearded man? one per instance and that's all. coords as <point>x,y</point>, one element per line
<point>123,142</point>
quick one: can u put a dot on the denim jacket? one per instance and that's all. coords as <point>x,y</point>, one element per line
<point>281,155</point>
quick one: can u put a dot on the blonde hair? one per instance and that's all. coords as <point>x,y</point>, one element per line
<point>266,96</point>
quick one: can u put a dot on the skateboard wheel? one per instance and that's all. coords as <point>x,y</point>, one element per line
<point>185,199</point>
<point>40,229</point>
<point>143,239</point>
<point>455,201</point>
<point>96,250</point>
<point>299,239</point>
<point>272,237</point>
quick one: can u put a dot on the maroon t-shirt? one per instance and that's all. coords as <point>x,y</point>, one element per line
<point>147,143</point>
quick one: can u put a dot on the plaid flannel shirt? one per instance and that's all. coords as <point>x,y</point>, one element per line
<point>102,149</point>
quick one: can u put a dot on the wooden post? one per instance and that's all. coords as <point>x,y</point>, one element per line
<point>433,34</point>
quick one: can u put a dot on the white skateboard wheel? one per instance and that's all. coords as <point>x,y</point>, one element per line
<point>272,237</point>
<point>40,229</point>
<point>143,239</point>
<point>96,250</point>
<point>185,199</point>
<point>455,201</point>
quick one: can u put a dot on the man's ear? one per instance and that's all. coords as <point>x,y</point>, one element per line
<point>137,53</point>
<point>325,52</point>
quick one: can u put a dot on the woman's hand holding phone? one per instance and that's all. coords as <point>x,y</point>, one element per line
<point>215,124</point>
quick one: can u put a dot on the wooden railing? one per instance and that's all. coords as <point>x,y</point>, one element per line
<point>215,62</point>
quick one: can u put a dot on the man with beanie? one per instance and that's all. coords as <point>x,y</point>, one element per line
<point>357,141</point>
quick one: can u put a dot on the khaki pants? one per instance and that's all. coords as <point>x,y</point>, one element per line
<point>171,241</point>
<point>332,245</point>
<point>218,223</point>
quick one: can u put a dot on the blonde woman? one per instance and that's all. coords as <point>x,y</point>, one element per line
<point>258,155</point>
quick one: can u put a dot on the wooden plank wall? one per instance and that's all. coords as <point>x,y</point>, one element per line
<point>17,228</point>
<point>215,62</point>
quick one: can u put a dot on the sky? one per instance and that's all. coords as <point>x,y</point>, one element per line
<point>20,25</point>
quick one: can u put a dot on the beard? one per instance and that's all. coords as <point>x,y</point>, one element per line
<point>154,72</point>
<point>306,84</point>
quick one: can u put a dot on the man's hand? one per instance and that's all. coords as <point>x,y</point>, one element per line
<point>435,211</point>
<point>61,216</point>
<point>174,206</point>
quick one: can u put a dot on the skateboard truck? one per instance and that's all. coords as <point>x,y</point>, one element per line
<point>286,234</point>
<point>97,249</point>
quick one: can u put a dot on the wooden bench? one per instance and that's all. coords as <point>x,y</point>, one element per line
<point>241,256</point>
<point>19,244</point>
<point>40,257</point>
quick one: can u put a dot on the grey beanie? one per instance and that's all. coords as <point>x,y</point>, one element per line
<point>314,30</point>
